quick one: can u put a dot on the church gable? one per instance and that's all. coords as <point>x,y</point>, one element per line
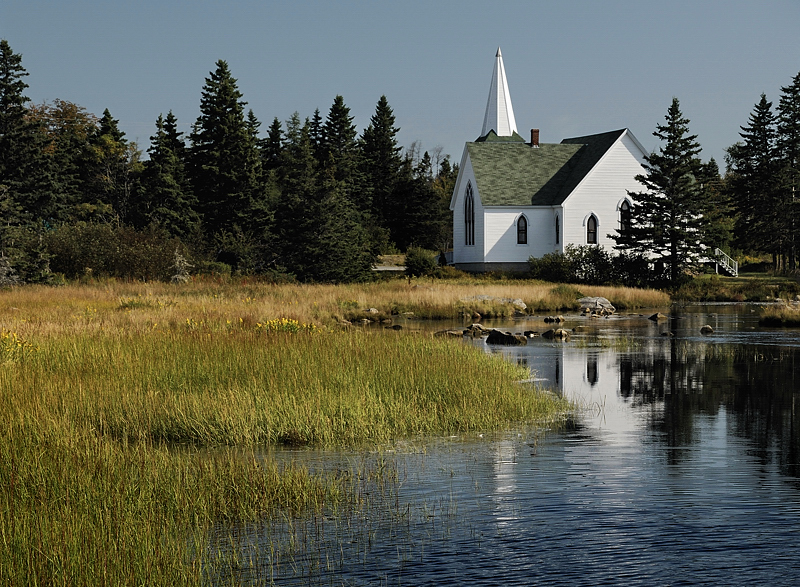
<point>530,198</point>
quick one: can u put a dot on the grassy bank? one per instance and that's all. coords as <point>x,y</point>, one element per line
<point>160,305</point>
<point>132,412</point>
<point>780,315</point>
<point>757,287</point>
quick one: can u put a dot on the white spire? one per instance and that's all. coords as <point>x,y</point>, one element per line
<point>499,112</point>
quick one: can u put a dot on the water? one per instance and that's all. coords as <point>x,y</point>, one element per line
<point>682,468</point>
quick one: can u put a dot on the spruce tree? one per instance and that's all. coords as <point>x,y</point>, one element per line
<point>113,168</point>
<point>273,145</point>
<point>339,153</point>
<point>67,128</point>
<point>667,219</point>
<point>788,124</point>
<point>381,161</point>
<point>168,201</point>
<point>223,158</point>
<point>26,169</point>
<point>753,182</point>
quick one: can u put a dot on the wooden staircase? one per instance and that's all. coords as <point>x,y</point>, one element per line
<point>726,263</point>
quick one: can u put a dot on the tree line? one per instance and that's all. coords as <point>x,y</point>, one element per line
<point>309,199</point>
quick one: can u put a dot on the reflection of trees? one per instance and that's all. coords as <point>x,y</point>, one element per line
<point>756,386</point>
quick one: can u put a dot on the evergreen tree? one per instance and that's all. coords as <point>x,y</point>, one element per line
<point>339,153</point>
<point>26,169</point>
<point>753,182</point>
<point>297,180</point>
<point>788,124</point>
<point>315,135</point>
<point>13,126</point>
<point>113,168</point>
<point>67,128</point>
<point>168,201</point>
<point>271,152</point>
<point>381,161</point>
<point>667,219</point>
<point>421,217</point>
<point>224,160</point>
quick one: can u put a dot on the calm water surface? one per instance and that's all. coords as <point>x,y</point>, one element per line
<point>682,468</point>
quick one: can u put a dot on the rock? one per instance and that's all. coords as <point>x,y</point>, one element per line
<point>557,334</point>
<point>667,334</point>
<point>707,329</point>
<point>516,302</point>
<point>658,317</point>
<point>475,331</point>
<point>506,338</point>
<point>530,334</point>
<point>556,319</point>
<point>394,327</point>
<point>449,333</point>
<point>372,311</point>
<point>597,305</point>
<point>579,329</point>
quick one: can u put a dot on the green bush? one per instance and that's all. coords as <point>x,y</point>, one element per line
<point>104,250</point>
<point>420,262</point>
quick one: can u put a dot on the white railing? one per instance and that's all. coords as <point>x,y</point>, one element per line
<point>728,263</point>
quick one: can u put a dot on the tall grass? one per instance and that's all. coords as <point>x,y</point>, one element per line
<point>143,305</point>
<point>132,414</point>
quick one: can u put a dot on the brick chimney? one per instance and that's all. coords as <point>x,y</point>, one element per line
<point>535,138</point>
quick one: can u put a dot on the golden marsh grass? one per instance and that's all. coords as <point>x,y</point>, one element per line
<point>133,411</point>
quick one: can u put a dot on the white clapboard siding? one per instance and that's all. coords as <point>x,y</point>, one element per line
<point>602,191</point>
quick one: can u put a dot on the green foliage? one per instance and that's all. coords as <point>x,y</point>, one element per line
<point>420,262</point>
<point>667,218</point>
<point>224,163</point>
<point>167,200</point>
<point>103,250</point>
<point>593,265</point>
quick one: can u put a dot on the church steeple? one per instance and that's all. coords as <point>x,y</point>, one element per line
<point>499,112</point>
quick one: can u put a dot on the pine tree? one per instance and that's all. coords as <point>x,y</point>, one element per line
<point>67,128</point>
<point>26,169</point>
<point>339,154</point>
<point>113,168</point>
<point>223,157</point>
<point>168,201</point>
<point>753,182</point>
<point>294,213</point>
<point>381,160</point>
<point>667,217</point>
<point>271,153</point>
<point>788,143</point>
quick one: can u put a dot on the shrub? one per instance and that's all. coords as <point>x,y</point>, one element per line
<point>420,262</point>
<point>104,250</point>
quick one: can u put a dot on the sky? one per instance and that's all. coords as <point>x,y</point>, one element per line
<point>574,67</point>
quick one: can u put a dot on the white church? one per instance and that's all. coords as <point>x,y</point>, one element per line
<point>515,199</point>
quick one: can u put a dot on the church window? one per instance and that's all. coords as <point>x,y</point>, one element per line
<point>624,216</point>
<point>591,230</point>
<point>522,230</point>
<point>469,217</point>
<point>558,231</point>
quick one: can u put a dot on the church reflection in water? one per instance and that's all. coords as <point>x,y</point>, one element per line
<point>663,384</point>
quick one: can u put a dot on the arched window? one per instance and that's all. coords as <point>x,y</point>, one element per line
<point>469,217</point>
<point>522,230</point>
<point>558,231</point>
<point>624,216</point>
<point>591,230</point>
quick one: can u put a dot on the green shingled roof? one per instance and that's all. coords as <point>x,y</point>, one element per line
<point>515,174</point>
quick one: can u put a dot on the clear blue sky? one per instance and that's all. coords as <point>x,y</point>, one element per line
<point>574,67</point>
